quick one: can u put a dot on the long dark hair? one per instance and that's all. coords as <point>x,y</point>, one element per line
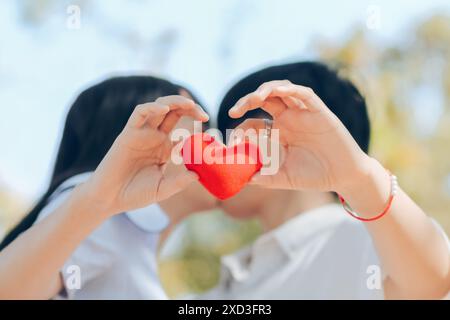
<point>94,121</point>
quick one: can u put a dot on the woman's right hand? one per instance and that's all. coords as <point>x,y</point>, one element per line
<point>132,174</point>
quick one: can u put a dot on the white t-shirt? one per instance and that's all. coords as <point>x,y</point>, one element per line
<point>320,254</point>
<point>119,259</point>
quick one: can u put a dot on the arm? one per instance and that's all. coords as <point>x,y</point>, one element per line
<point>320,154</point>
<point>132,175</point>
<point>29,266</point>
<point>412,251</point>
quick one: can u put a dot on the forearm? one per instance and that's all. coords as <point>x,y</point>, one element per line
<point>413,254</point>
<point>30,266</point>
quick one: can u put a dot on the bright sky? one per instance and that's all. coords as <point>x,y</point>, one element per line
<point>43,67</point>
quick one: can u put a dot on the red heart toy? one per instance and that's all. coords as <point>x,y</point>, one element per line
<point>222,170</point>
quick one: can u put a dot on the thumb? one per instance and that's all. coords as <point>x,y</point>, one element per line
<point>174,183</point>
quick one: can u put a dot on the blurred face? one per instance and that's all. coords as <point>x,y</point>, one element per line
<point>247,204</point>
<point>250,201</point>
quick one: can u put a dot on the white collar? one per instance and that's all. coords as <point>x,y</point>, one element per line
<point>294,232</point>
<point>149,219</point>
<point>282,241</point>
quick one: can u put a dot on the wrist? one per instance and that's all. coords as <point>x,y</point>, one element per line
<point>359,175</point>
<point>369,190</point>
<point>89,202</point>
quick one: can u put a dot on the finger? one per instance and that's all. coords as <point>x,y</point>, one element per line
<point>149,113</point>
<point>293,103</point>
<point>169,122</point>
<point>306,95</point>
<point>175,100</point>
<point>173,184</point>
<point>248,102</point>
<point>185,105</point>
<point>294,96</point>
<point>254,100</point>
<point>194,111</point>
<point>153,119</point>
<point>267,87</point>
<point>273,106</point>
<point>174,116</point>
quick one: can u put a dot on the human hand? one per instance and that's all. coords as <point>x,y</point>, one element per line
<point>317,151</point>
<point>133,173</point>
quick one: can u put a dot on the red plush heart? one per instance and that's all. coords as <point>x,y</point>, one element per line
<point>222,170</point>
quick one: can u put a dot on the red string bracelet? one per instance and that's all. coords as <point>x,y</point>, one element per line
<point>393,193</point>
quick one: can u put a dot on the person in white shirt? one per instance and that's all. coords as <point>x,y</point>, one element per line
<point>312,248</point>
<point>118,260</point>
<point>121,129</point>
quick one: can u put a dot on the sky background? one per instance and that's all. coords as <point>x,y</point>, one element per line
<point>206,45</point>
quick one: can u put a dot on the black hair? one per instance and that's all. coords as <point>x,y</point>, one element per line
<point>339,94</point>
<point>93,122</point>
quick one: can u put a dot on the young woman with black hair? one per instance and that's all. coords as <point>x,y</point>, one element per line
<point>129,158</point>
